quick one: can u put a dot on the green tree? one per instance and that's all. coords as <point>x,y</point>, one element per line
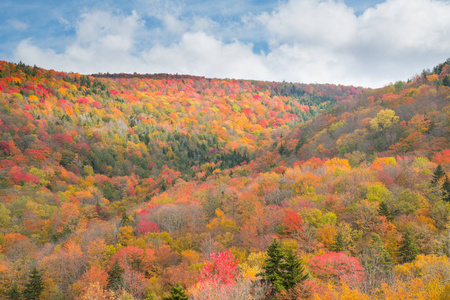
<point>177,293</point>
<point>383,210</point>
<point>446,190</point>
<point>437,175</point>
<point>5,215</point>
<point>294,270</point>
<point>446,81</point>
<point>339,243</point>
<point>384,258</point>
<point>34,287</point>
<point>408,248</point>
<point>282,269</point>
<point>13,293</point>
<point>274,266</point>
<point>115,276</point>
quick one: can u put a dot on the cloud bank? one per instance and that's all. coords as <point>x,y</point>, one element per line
<point>307,41</point>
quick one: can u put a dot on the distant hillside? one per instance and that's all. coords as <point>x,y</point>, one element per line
<point>402,118</point>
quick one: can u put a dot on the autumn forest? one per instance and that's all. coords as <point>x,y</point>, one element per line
<point>158,186</point>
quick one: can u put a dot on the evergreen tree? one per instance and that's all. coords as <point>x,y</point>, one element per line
<point>383,210</point>
<point>408,248</point>
<point>125,220</point>
<point>282,269</point>
<point>378,249</point>
<point>300,143</point>
<point>446,190</point>
<point>13,293</point>
<point>294,271</point>
<point>446,81</point>
<point>115,276</point>
<point>283,150</point>
<point>34,287</point>
<point>177,293</point>
<point>438,174</point>
<point>274,266</point>
<point>339,243</point>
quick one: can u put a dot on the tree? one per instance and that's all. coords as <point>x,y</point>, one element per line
<point>376,261</point>
<point>339,243</point>
<point>437,175</point>
<point>337,267</point>
<point>385,119</point>
<point>383,210</point>
<point>446,190</point>
<point>13,293</point>
<point>5,215</point>
<point>177,293</point>
<point>408,248</point>
<point>446,81</point>
<point>115,276</point>
<point>34,287</point>
<point>378,249</point>
<point>295,272</point>
<point>274,266</point>
<point>221,270</point>
<point>282,269</point>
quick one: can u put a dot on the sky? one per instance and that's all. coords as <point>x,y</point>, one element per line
<point>367,43</point>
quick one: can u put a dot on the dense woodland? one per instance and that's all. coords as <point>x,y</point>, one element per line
<point>128,186</point>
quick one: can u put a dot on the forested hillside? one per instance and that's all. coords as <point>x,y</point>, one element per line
<point>130,186</point>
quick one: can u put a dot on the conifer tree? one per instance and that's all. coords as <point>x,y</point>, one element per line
<point>339,243</point>
<point>274,266</point>
<point>125,220</point>
<point>438,174</point>
<point>446,190</point>
<point>34,287</point>
<point>282,269</point>
<point>383,210</point>
<point>177,293</point>
<point>295,271</point>
<point>115,276</point>
<point>377,247</point>
<point>13,293</point>
<point>408,248</point>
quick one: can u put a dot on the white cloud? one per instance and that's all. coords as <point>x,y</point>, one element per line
<point>309,41</point>
<point>104,31</point>
<point>325,41</point>
<point>201,54</point>
<point>400,26</point>
<point>18,25</point>
<point>311,22</point>
<point>104,42</point>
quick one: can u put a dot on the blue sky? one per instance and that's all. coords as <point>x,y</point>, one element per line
<point>368,43</point>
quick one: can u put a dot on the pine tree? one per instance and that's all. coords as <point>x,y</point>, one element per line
<point>13,293</point>
<point>115,276</point>
<point>383,210</point>
<point>378,249</point>
<point>438,174</point>
<point>177,293</point>
<point>273,266</point>
<point>125,220</point>
<point>282,269</point>
<point>34,287</point>
<point>408,248</point>
<point>446,81</point>
<point>338,244</point>
<point>294,271</point>
<point>446,190</point>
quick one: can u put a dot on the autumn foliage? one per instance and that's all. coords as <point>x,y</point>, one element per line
<point>130,186</point>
